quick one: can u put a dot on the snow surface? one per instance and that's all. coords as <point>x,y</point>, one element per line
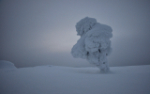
<point>69,80</point>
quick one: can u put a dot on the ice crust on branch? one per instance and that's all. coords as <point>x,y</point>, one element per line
<point>94,43</point>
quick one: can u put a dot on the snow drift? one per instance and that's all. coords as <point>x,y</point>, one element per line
<point>7,65</point>
<point>69,80</point>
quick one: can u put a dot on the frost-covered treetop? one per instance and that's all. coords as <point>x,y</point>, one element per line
<point>94,37</point>
<point>85,25</point>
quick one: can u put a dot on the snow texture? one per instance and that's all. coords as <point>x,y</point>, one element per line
<point>68,80</point>
<point>94,43</point>
<point>7,65</point>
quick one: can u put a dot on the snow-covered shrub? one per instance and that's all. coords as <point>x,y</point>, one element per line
<point>94,43</point>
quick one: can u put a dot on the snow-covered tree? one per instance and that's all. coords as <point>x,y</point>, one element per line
<point>94,43</point>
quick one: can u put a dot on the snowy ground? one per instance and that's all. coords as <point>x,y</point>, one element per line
<point>68,80</point>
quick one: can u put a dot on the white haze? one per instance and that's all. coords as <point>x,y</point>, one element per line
<point>42,32</point>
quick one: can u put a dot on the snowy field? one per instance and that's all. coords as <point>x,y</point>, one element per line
<point>69,80</point>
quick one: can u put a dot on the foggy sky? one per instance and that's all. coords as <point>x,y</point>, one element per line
<point>41,32</point>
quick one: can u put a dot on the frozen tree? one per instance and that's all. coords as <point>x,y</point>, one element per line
<point>94,43</point>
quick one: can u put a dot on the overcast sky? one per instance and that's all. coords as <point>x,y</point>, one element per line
<point>41,32</point>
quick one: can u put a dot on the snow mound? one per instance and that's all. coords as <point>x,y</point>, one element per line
<point>6,65</point>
